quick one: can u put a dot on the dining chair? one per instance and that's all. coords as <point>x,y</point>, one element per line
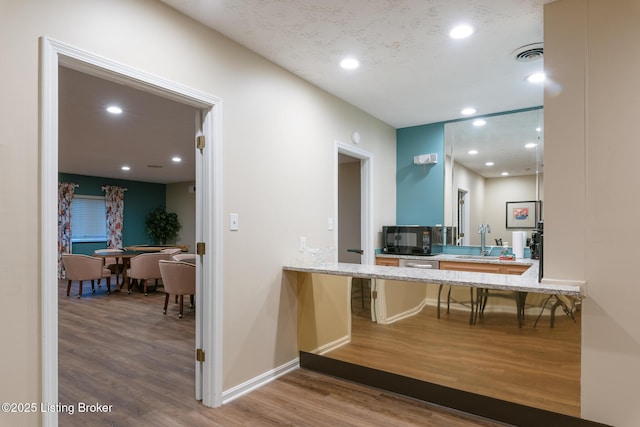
<point>144,267</point>
<point>179,278</point>
<point>83,267</point>
<point>190,258</point>
<point>171,251</point>
<point>112,263</point>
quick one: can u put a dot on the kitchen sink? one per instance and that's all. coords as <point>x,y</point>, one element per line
<point>476,257</point>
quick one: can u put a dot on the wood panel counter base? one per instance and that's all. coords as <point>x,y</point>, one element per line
<point>471,403</point>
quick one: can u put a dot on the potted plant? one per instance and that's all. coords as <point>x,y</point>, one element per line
<point>162,225</point>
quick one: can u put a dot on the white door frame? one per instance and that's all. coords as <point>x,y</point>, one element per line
<point>366,197</point>
<point>53,54</point>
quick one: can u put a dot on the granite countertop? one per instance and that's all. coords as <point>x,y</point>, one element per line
<point>526,282</point>
<point>462,258</point>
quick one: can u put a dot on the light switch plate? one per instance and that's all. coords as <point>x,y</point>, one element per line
<point>233,222</point>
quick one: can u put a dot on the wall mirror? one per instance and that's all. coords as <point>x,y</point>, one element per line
<point>534,366</point>
<point>490,161</point>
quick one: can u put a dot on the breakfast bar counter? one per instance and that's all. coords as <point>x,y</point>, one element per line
<point>526,282</point>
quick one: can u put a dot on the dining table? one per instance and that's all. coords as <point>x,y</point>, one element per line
<point>125,256</point>
<point>155,248</point>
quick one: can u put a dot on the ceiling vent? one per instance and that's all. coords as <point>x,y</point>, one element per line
<point>528,53</point>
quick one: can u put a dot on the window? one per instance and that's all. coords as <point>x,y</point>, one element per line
<point>88,219</point>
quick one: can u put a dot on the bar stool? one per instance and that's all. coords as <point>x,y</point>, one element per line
<point>474,303</point>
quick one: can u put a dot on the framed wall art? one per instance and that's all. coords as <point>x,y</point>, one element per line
<point>523,214</point>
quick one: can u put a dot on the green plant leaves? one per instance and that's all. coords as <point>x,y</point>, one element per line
<point>161,225</point>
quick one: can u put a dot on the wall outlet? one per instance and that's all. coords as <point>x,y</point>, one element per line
<point>330,224</point>
<point>303,243</point>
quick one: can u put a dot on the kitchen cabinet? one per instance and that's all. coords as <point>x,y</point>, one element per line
<point>514,269</point>
<point>390,262</point>
<point>478,267</point>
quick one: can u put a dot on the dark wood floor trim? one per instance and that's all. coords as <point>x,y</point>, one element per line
<point>483,406</point>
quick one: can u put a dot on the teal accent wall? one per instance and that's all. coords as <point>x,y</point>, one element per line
<point>139,199</point>
<point>419,188</point>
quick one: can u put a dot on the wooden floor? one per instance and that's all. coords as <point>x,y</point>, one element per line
<point>120,350</point>
<point>537,367</point>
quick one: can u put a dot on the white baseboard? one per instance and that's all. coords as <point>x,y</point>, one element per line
<point>405,314</point>
<point>257,382</point>
<point>332,345</point>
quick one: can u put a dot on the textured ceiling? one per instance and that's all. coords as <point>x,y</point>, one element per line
<point>411,72</point>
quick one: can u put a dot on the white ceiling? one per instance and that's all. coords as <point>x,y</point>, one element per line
<point>411,73</point>
<point>146,136</point>
<point>502,140</point>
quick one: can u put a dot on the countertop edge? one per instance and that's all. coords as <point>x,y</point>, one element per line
<point>527,282</point>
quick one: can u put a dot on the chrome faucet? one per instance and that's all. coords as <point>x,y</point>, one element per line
<point>483,229</point>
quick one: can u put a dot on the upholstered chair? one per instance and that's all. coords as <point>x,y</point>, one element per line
<point>84,267</point>
<point>144,267</point>
<point>171,251</point>
<point>179,278</point>
<point>190,258</point>
<point>112,262</point>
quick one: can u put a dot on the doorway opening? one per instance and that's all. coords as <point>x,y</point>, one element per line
<point>364,160</point>
<point>354,218</point>
<point>208,211</point>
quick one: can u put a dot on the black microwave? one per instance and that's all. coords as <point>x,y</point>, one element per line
<point>406,239</point>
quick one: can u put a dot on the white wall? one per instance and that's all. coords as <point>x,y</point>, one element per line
<point>274,124</point>
<point>591,152</point>
<point>464,178</point>
<point>182,200</point>
<point>499,191</point>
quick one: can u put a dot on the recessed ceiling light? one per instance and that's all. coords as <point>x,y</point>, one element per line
<point>349,63</point>
<point>536,78</point>
<point>176,159</point>
<point>504,173</point>
<point>531,145</point>
<point>489,164</point>
<point>468,111</point>
<point>473,152</point>
<point>461,31</point>
<point>114,109</point>
<point>538,129</point>
<point>125,168</point>
<point>479,122</point>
